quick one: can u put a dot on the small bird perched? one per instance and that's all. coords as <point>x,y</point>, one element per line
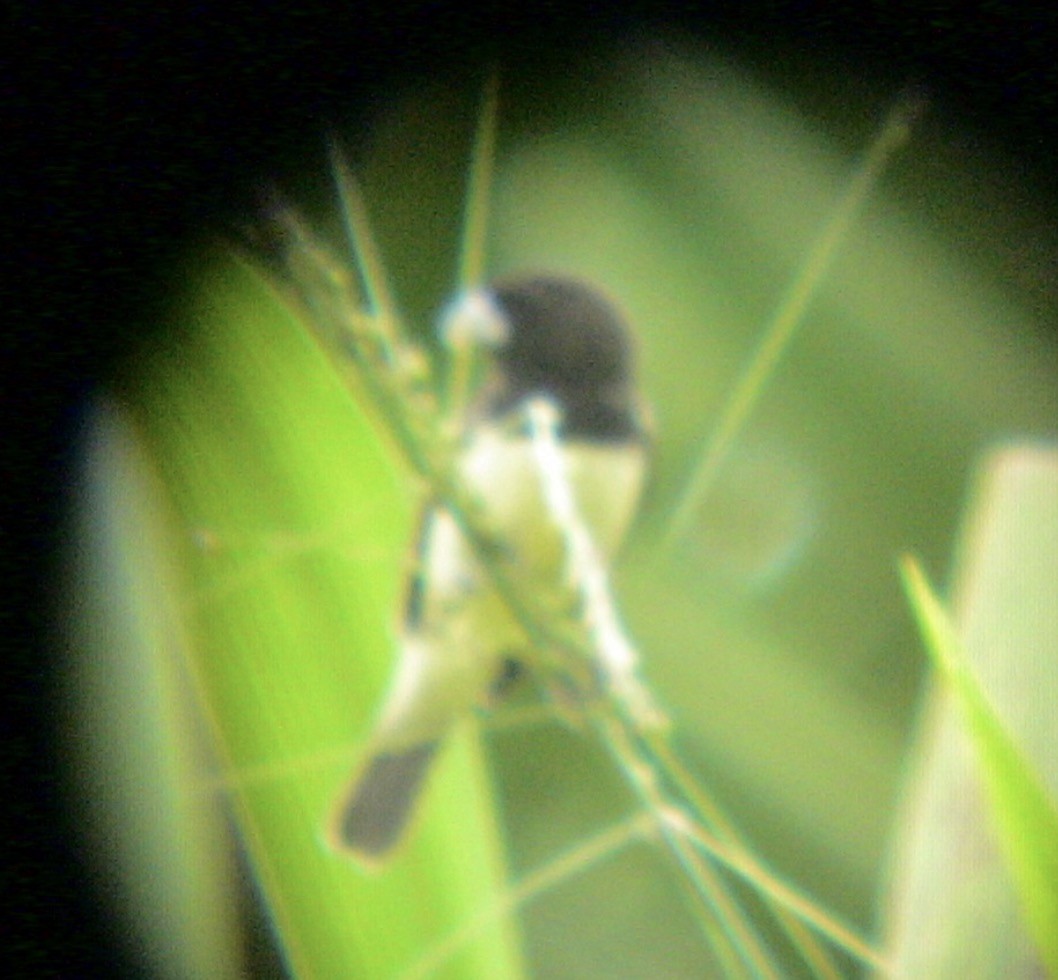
<point>549,338</point>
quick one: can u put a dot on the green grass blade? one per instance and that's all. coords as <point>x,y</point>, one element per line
<point>290,612</point>
<point>134,748</point>
<point>479,188</point>
<point>790,314</point>
<point>1023,810</point>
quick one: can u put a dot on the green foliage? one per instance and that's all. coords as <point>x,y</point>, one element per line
<point>1023,811</point>
<point>303,520</point>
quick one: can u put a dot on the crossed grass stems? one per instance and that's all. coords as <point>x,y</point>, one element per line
<point>350,313</point>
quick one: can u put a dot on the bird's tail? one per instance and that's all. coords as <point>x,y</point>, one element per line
<point>370,821</point>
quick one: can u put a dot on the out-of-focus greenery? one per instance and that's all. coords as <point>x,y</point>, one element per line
<point>976,882</point>
<point>775,632</point>
<point>287,597</point>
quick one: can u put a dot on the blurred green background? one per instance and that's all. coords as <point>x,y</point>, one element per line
<point>775,631</point>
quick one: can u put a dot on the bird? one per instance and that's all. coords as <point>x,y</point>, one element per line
<point>547,338</point>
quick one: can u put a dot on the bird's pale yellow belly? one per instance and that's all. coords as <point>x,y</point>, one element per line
<point>465,630</point>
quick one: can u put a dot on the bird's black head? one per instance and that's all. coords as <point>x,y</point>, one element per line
<point>566,340</point>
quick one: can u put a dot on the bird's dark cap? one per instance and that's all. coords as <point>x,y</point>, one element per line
<point>568,341</point>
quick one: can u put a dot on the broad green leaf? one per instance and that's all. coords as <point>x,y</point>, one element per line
<point>295,519</point>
